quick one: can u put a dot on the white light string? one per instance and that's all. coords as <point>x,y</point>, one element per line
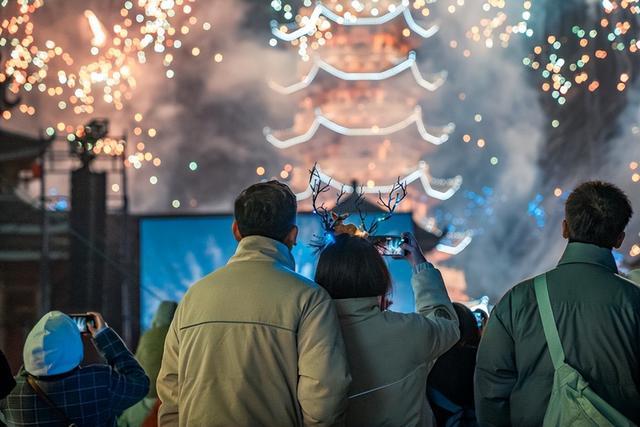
<point>460,239</point>
<point>457,248</point>
<point>310,22</point>
<point>421,173</point>
<point>321,120</point>
<point>408,63</point>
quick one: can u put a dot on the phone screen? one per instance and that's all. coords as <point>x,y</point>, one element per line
<point>389,245</point>
<point>479,318</point>
<point>81,321</point>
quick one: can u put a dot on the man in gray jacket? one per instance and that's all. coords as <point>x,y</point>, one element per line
<point>254,343</point>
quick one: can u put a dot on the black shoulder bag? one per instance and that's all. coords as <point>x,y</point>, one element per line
<point>34,385</point>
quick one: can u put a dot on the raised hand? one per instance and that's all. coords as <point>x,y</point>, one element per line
<point>412,250</point>
<point>98,323</point>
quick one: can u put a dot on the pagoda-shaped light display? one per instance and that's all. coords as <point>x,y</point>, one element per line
<point>358,89</point>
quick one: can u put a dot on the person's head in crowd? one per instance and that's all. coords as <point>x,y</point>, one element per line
<point>164,314</point>
<point>151,345</point>
<point>266,209</point>
<point>53,346</point>
<point>469,327</point>
<point>352,267</point>
<point>597,212</point>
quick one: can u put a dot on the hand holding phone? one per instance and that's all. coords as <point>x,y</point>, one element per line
<point>389,245</point>
<point>98,323</point>
<point>82,321</point>
<point>89,323</point>
<point>412,251</point>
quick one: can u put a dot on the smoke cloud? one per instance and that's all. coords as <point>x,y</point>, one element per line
<point>213,113</point>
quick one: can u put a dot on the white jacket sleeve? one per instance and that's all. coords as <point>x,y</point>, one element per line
<point>167,383</point>
<point>440,322</point>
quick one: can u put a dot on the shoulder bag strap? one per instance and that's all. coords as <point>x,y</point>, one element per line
<point>34,385</point>
<point>548,322</point>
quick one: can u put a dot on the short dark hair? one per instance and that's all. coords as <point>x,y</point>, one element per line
<point>468,324</point>
<point>266,209</point>
<point>597,212</point>
<point>352,267</point>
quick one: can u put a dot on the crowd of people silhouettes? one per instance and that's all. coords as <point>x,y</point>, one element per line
<point>256,344</point>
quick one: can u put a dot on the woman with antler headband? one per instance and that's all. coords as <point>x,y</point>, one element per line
<point>390,354</point>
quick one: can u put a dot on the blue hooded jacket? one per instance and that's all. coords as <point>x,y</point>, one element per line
<point>53,346</point>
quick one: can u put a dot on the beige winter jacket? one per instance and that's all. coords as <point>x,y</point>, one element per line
<point>390,354</point>
<point>254,344</point>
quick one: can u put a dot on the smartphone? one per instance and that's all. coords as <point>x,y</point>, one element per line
<point>81,321</point>
<point>480,318</point>
<point>389,245</point>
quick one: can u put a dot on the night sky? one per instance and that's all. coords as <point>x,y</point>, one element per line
<point>202,115</point>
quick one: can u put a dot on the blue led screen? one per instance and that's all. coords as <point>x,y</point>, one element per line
<point>175,252</point>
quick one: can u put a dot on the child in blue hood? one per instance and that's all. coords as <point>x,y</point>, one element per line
<point>52,389</point>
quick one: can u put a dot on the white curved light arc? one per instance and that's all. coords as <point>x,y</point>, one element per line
<point>321,120</point>
<point>322,10</point>
<point>463,238</point>
<point>408,63</point>
<point>455,250</point>
<point>419,174</point>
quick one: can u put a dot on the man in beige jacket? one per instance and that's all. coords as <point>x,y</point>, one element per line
<point>254,343</point>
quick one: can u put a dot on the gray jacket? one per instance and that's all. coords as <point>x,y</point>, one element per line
<point>390,354</point>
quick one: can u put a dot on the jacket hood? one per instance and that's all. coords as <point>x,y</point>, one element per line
<point>354,310</point>
<point>53,346</point>
<point>164,314</point>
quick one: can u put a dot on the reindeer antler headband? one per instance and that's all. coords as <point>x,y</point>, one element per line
<point>333,223</point>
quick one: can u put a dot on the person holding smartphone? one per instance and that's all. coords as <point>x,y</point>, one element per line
<point>390,354</point>
<point>53,390</point>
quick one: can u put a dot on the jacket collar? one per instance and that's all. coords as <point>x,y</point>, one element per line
<point>354,310</point>
<point>57,377</point>
<point>259,248</point>
<point>588,254</point>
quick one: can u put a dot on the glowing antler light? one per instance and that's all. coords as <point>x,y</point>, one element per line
<point>99,36</point>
